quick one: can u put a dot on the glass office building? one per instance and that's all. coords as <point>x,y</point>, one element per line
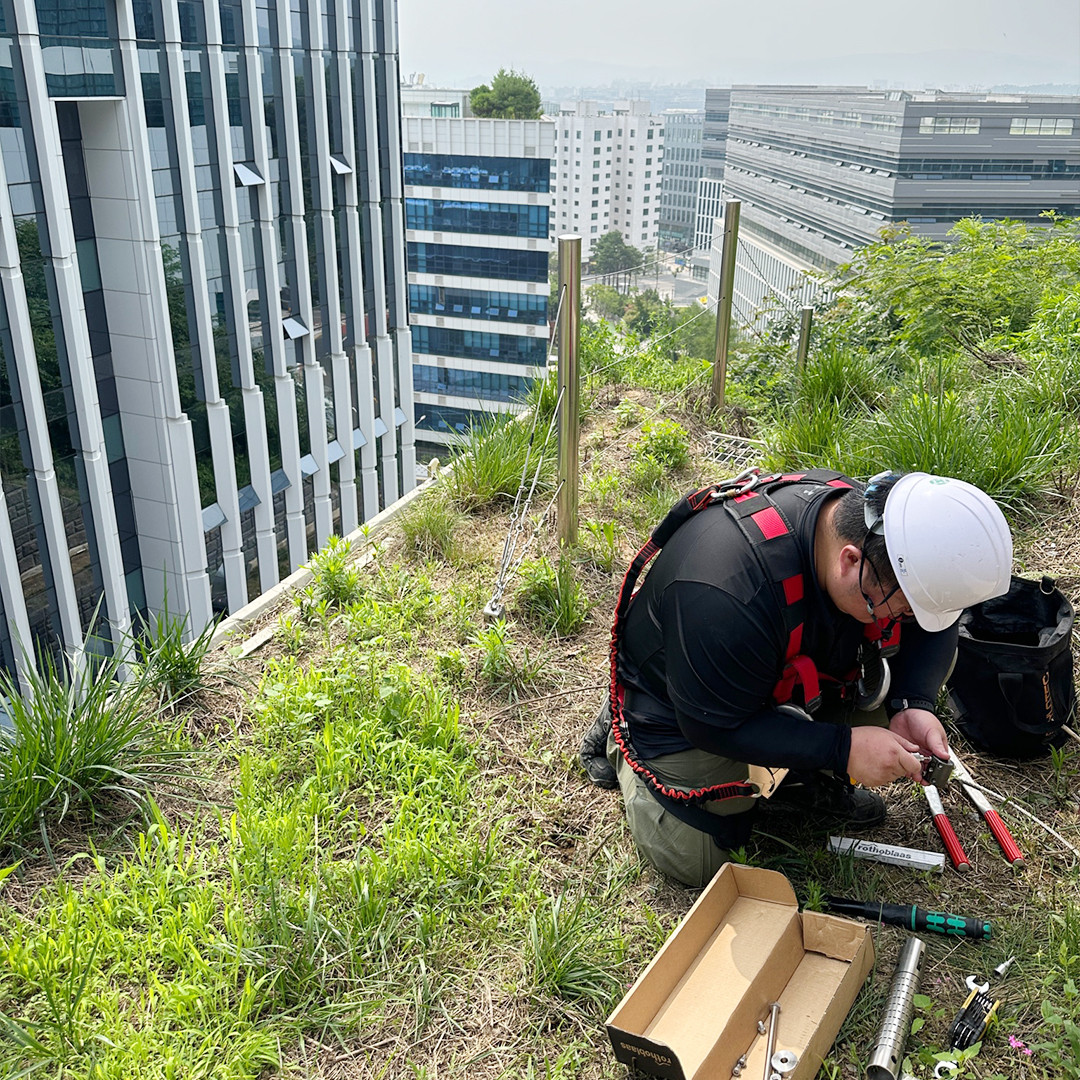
<point>477,208</point>
<point>820,171</point>
<point>205,364</point>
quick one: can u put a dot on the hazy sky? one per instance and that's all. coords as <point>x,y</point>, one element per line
<point>945,43</point>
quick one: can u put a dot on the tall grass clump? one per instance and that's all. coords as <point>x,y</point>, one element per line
<point>542,400</point>
<point>431,526</point>
<point>173,666</point>
<point>500,668</point>
<point>81,740</point>
<point>570,952</point>
<point>836,374</point>
<point>491,458</point>
<point>999,444</point>
<point>552,596</point>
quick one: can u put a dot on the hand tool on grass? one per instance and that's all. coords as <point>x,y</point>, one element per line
<point>976,1015</point>
<point>993,820</point>
<point>887,1056</point>
<point>945,830</point>
<point>914,918</point>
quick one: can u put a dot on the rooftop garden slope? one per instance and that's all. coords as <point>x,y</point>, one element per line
<point>365,849</point>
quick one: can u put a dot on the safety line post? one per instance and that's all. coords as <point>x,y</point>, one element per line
<point>723,304</point>
<point>569,390</point>
<point>806,320</point>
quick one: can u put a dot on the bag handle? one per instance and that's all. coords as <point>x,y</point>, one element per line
<point>1011,685</point>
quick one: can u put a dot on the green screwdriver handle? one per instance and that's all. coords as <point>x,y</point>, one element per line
<point>913,917</point>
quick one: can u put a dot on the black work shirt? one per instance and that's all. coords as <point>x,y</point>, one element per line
<point>704,645</point>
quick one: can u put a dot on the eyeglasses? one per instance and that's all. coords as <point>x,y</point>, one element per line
<point>904,615</point>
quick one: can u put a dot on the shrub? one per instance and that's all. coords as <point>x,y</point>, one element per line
<point>335,583</point>
<point>666,441</point>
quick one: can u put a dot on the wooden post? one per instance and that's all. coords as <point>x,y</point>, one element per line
<point>723,303</point>
<point>569,386</point>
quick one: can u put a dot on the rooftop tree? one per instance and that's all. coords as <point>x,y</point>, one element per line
<point>512,95</point>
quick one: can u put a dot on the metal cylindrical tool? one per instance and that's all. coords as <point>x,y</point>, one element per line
<point>887,1056</point>
<point>770,1046</point>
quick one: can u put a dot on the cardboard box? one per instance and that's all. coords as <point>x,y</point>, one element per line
<point>743,945</point>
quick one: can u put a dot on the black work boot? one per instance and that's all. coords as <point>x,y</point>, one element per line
<point>593,752</point>
<point>830,798</point>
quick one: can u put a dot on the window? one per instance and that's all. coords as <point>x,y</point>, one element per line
<point>596,177</point>
<point>596,136</point>
<point>1040,126</point>
<point>648,161</point>
<point>949,125</point>
<point>596,191</point>
<point>593,217</point>
<point>593,229</point>
<point>596,202</point>
<point>647,175</point>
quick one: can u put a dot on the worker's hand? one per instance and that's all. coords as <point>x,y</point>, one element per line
<point>923,727</point>
<point>879,756</point>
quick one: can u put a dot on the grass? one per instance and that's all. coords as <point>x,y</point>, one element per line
<point>81,744</point>
<point>388,864</point>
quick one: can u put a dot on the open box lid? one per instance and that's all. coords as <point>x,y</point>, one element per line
<point>740,947</point>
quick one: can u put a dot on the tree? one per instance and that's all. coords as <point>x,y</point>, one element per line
<point>512,95</point>
<point>646,313</point>
<point>611,254</point>
<point>608,303</point>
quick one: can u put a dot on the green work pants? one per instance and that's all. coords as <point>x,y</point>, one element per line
<point>672,846</point>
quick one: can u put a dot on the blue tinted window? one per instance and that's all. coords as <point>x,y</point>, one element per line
<point>482,385</point>
<point>494,219</point>
<point>445,418</point>
<point>479,304</point>
<point>486,173</point>
<point>477,261</point>
<point>479,345</point>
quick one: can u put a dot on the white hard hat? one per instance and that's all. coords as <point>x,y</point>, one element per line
<point>949,546</point>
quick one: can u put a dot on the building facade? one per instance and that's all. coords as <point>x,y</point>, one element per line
<point>478,223</point>
<point>683,129</point>
<point>205,365</point>
<point>418,98</point>
<point>608,169</point>
<point>820,171</point>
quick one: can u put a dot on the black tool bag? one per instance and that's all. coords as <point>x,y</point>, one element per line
<point>1012,688</point>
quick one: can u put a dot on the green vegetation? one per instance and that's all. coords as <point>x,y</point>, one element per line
<point>173,667</point>
<point>512,95</point>
<point>386,862</point>
<point>492,457</point>
<point>611,254</point>
<point>82,747</point>
<point>551,595</point>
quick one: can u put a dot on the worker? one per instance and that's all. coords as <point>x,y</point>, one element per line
<point>759,638</point>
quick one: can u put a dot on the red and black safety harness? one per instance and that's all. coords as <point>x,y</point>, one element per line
<point>748,499</point>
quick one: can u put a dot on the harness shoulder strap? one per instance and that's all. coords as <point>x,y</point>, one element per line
<point>772,539</point>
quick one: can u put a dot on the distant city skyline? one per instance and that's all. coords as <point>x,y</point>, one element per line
<point>955,44</point>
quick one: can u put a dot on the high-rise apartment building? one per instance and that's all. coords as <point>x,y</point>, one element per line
<point>477,215</point>
<point>608,168</point>
<point>819,171</point>
<point>683,129</point>
<point>205,364</point>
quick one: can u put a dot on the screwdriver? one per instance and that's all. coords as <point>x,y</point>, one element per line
<point>912,917</point>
